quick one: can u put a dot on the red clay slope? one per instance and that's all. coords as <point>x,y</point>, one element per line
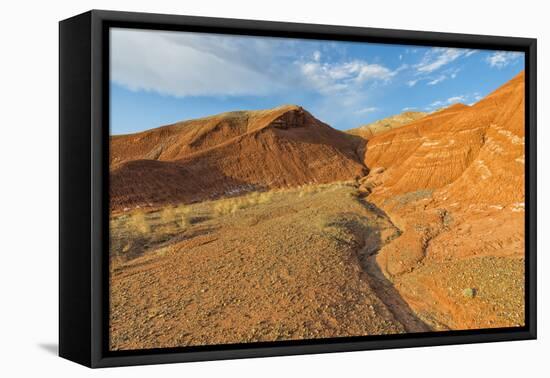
<point>229,154</point>
<point>454,184</point>
<point>474,148</point>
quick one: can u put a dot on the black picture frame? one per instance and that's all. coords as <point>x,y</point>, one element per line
<point>83,181</point>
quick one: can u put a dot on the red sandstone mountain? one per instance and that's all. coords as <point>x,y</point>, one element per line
<point>453,182</point>
<point>472,148</point>
<point>228,154</point>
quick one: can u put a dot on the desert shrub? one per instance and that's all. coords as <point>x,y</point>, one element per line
<point>183,209</point>
<point>126,247</point>
<point>265,197</point>
<point>167,215</point>
<point>222,207</point>
<point>305,190</point>
<point>183,221</point>
<point>231,205</point>
<point>139,223</point>
<point>178,216</point>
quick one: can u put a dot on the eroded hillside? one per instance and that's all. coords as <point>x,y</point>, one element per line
<point>229,154</point>
<point>454,184</point>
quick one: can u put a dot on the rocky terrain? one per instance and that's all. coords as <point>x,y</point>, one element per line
<point>271,225</point>
<point>289,265</point>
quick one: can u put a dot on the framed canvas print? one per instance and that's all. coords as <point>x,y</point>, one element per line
<point>233,188</point>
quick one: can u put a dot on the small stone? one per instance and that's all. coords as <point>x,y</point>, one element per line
<point>469,292</point>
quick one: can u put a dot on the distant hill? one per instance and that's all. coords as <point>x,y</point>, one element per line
<point>386,124</point>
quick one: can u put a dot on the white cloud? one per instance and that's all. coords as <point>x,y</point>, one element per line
<point>316,55</point>
<point>373,72</point>
<point>438,57</point>
<point>189,64</point>
<point>501,59</point>
<point>474,98</point>
<point>334,77</point>
<point>437,80</point>
<point>447,102</point>
<point>453,72</point>
<point>402,67</point>
<point>184,64</point>
<point>455,99</point>
<point>436,103</point>
<point>408,108</point>
<point>435,66</point>
<point>366,110</point>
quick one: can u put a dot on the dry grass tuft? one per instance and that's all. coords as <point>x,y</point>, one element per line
<point>232,205</point>
<point>178,217</point>
<point>138,222</point>
<point>223,207</point>
<point>311,189</point>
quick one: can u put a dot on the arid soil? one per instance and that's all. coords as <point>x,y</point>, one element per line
<point>291,265</point>
<point>271,225</point>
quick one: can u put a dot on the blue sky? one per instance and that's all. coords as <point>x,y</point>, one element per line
<point>158,78</point>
